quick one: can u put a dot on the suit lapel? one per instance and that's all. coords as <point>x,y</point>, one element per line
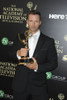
<point>39,45</point>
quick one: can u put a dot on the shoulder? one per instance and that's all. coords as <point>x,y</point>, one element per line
<point>47,38</point>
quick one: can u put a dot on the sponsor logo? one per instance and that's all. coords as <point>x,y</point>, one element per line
<point>4,41</point>
<point>6,96</point>
<point>59,78</point>
<point>1,94</point>
<point>49,75</point>
<point>58,16</point>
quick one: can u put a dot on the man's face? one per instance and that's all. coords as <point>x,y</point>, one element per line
<point>33,22</point>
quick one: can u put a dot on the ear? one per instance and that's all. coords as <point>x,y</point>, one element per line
<point>40,22</point>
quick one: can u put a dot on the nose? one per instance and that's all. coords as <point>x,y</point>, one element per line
<point>33,23</point>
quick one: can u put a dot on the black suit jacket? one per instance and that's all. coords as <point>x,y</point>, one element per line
<point>46,56</point>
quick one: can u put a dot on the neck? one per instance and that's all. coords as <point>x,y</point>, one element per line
<point>33,32</point>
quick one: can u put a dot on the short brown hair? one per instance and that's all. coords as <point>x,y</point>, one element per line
<point>34,12</point>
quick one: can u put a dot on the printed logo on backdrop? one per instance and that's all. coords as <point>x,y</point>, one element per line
<point>30,5</point>
<point>59,78</point>
<point>7,69</point>
<point>1,93</point>
<point>59,47</point>
<point>61,96</point>
<point>64,58</point>
<point>58,16</point>
<point>65,38</point>
<point>5,41</point>
<point>48,75</point>
<point>5,96</point>
<point>12,14</point>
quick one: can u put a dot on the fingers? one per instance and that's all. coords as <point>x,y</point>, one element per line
<point>33,65</point>
<point>23,51</point>
<point>34,59</point>
<point>27,49</point>
<point>30,66</point>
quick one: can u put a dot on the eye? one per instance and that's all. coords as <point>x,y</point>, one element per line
<point>36,21</point>
<point>30,20</point>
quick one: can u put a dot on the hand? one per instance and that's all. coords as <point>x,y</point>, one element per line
<point>33,66</point>
<point>23,52</point>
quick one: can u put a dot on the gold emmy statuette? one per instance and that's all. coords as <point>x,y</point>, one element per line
<point>24,40</point>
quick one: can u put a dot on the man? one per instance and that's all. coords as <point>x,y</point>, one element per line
<point>30,79</point>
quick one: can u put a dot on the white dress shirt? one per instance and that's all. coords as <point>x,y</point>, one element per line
<point>32,42</point>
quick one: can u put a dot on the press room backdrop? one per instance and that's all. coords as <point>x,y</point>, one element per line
<point>13,14</point>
